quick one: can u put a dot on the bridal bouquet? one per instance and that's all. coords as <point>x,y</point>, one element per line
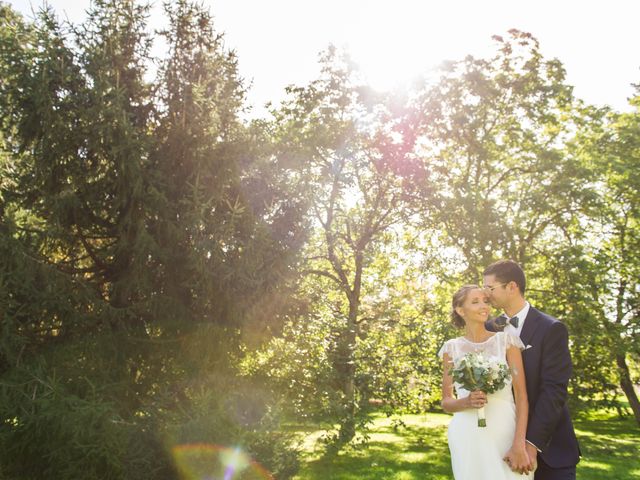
<point>475,372</point>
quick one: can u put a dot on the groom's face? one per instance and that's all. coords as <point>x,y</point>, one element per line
<point>496,290</point>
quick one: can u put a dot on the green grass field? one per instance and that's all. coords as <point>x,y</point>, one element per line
<point>418,450</point>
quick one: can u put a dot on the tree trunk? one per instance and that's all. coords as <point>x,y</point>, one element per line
<point>625,378</point>
<point>348,424</point>
<point>627,386</point>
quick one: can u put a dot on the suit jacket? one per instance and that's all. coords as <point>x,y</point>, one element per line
<point>547,368</point>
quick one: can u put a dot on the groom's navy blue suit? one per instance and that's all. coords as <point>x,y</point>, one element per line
<point>547,367</point>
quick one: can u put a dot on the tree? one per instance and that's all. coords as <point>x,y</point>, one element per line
<point>612,147</point>
<point>492,132</point>
<point>351,149</point>
<point>75,123</point>
<point>137,255</point>
<point>503,138</point>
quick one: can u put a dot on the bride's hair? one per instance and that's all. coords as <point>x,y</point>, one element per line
<point>458,299</point>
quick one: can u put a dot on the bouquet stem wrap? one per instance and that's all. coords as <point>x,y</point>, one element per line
<point>482,419</point>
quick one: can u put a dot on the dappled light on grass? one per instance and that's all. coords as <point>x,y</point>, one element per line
<point>609,447</point>
<point>213,462</point>
<point>415,450</point>
<point>412,447</point>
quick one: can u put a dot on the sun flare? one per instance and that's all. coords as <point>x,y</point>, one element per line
<point>396,42</point>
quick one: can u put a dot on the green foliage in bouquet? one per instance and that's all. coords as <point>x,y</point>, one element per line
<point>475,372</point>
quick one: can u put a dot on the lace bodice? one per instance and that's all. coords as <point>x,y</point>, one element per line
<point>493,349</point>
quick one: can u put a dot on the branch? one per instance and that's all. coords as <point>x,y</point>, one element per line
<point>327,231</point>
<point>101,265</point>
<point>507,173</point>
<point>324,273</point>
<point>364,319</point>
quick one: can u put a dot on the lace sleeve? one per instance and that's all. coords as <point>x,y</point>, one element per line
<point>513,341</point>
<point>446,348</point>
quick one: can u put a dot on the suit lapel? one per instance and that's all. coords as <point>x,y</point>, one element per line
<point>530,325</point>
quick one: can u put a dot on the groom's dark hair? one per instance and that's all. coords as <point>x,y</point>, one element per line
<point>507,271</point>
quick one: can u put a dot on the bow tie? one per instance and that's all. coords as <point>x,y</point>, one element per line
<point>502,320</point>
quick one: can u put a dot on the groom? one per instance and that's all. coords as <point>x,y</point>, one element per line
<point>551,441</point>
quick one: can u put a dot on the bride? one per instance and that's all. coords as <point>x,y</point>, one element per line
<point>497,451</point>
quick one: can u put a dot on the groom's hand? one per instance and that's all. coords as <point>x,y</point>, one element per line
<point>532,451</point>
<point>518,459</point>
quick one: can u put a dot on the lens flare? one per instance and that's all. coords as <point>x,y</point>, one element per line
<point>213,462</point>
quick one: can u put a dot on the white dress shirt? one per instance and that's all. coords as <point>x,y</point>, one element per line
<point>522,315</point>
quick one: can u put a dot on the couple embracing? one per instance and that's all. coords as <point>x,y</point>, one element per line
<point>528,427</point>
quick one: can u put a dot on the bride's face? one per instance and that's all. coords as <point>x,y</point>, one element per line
<point>475,307</point>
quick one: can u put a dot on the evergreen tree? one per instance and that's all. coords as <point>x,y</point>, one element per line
<point>137,253</point>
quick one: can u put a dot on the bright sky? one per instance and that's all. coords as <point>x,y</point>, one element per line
<point>278,41</point>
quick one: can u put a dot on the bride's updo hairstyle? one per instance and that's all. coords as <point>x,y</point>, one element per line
<point>458,300</point>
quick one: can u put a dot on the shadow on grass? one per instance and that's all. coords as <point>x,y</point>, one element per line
<point>419,450</point>
<point>411,452</point>
<point>609,448</point>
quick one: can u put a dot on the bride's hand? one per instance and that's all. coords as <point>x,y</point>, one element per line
<point>518,459</point>
<point>476,399</point>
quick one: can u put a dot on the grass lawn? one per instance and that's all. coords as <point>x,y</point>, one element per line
<point>418,450</point>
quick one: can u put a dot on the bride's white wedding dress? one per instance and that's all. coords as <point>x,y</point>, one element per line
<point>477,452</point>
